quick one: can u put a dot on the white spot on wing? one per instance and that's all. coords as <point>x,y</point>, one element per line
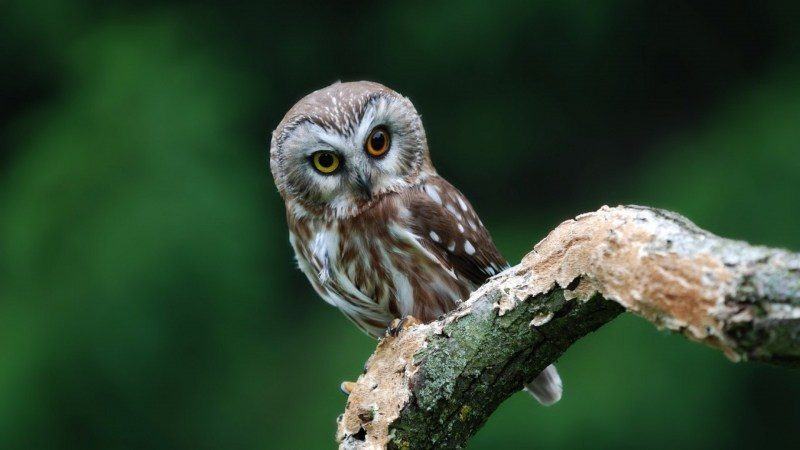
<point>469,248</point>
<point>435,237</point>
<point>462,204</point>
<point>404,235</point>
<point>452,247</point>
<point>460,228</point>
<point>433,194</point>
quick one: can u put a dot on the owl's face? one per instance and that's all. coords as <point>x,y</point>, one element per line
<point>344,146</point>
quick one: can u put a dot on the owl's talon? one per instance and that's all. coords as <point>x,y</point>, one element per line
<point>391,330</point>
<point>347,387</point>
<point>398,325</point>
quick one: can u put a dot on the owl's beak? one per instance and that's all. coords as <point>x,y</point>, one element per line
<point>364,184</point>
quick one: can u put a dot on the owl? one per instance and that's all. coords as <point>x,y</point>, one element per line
<point>378,233</point>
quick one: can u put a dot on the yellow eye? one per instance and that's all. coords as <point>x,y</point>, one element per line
<point>378,141</point>
<point>325,162</point>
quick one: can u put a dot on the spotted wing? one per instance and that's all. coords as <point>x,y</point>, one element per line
<point>450,228</point>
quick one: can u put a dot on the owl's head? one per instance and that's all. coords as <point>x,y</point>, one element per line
<point>340,148</point>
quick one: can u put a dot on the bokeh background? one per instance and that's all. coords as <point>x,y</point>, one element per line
<point>148,297</point>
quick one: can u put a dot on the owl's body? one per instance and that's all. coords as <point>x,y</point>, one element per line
<point>410,253</point>
<point>379,234</point>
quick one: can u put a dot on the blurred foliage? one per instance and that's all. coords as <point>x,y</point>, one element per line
<point>148,297</point>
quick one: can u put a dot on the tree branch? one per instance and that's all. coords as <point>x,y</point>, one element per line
<point>434,385</point>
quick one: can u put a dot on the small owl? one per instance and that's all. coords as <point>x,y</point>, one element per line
<point>379,234</point>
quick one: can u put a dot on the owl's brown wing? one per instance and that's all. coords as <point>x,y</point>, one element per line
<point>449,227</point>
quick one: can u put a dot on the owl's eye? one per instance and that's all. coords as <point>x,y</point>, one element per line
<point>378,141</point>
<point>325,162</point>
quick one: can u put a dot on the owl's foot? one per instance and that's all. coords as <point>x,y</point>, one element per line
<point>399,325</point>
<point>347,387</point>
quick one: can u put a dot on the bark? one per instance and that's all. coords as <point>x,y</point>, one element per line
<point>435,384</point>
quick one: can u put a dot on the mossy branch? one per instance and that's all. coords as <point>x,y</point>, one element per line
<point>435,384</point>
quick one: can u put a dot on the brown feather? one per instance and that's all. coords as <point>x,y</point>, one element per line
<point>442,214</point>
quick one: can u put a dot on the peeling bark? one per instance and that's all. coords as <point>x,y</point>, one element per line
<point>435,384</point>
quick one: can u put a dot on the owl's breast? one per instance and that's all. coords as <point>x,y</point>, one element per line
<point>374,273</point>
<point>341,267</point>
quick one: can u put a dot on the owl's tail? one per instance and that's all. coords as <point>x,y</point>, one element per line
<point>546,387</point>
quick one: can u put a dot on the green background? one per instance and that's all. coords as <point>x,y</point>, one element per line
<point>148,295</point>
